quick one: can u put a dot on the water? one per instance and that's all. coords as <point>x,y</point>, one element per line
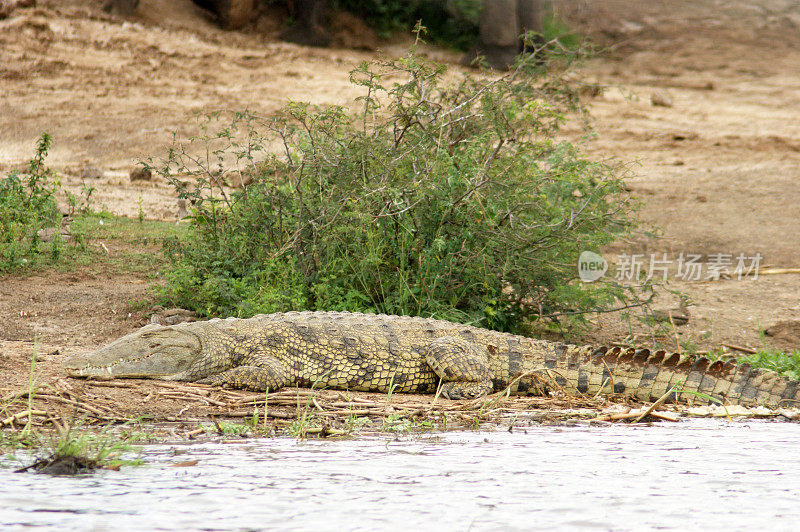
<point>697,475</point>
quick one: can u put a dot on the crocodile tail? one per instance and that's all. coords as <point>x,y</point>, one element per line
<point>648,375</point>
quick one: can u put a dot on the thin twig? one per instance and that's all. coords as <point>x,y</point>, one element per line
<point>20,416</point>
<point>655,405</point>
<point>740,348</point>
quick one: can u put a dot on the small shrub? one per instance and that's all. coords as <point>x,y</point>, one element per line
<point>27,204</point>
<point>75,449</point>
<point>783,363</point>
<point>453,200</point>
<point>452,23</point>
<point>449,21</point>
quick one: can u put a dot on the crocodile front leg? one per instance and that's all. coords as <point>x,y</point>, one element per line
<point>463,366</point>
<point>270,374</point>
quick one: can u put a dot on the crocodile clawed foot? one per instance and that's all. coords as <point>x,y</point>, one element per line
<point>466,390</point>
<point>214,380</point>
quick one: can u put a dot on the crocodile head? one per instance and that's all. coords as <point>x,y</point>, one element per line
<point>151,352</point>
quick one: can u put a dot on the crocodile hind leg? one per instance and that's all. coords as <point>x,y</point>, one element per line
<point>462,366</point>
<point>270,375</point>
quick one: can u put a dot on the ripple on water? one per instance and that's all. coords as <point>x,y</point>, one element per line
<point>702,474</point>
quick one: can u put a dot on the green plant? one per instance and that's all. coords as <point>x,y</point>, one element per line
<point>227,428</point>
<point>26,437</point>
<point>454,22</point>
<point>27,205</point>
<point>32,388</point>
<point>449,22</point>
<point>354,423</point>
<point>85,200</point>
<point>304,424</point>
<point>76,449</point>
<point>785,363</point>
<point>556,29</point>
<point>71,447</point>
<point>781,362</point>
<point>87,443</point>
<point>398,423</point>
<point>453,200</point>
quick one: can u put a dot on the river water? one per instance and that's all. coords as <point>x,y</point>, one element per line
<point>695,475</point>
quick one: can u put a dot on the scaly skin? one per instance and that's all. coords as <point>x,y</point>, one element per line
<point>380,353</point>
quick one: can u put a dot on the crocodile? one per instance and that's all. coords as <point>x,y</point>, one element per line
<point>381,353</point>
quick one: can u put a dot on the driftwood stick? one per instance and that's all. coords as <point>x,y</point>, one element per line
<point>773,271</point>
<point>655,405</point>
<point>96,410</point>
<point>326,431</point>
<point>20,416</point>
<point>14,396</point>
<point>740,348</point>
<point>193,397</point>
<point>360,404</point>
<point>355,413</point>
<point>109,384</point>
<point>183,386</point>
<point>316,404</point>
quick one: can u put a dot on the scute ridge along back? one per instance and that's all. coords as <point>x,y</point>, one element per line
<point>380,353</point>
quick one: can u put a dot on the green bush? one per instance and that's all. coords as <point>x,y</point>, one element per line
<point>452,200</point>
<point>784,363</point>
<point>27,204</point>
<point>454,22</point>
<point>449,22</point>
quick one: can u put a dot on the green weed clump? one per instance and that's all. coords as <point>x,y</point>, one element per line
<point>447,199</point>
<point>786,363</point>
<point>454,22</point>
<point>451,23</point>
<point>76,449</point>
<point>27,205</point>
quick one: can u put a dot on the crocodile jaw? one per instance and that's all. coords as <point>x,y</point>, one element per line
<point>151,352</point>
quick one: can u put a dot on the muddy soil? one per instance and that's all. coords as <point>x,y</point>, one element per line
<point>702,99</point>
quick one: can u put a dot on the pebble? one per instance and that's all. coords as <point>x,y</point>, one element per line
<point>661,98</point>
<point>141,174</point>
<point>48,233</point>
<point>91,172</point>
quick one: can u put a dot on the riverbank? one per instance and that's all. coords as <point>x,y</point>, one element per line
<point>702,99</point>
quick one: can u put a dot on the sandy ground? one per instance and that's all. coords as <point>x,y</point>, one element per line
<point>717,171</point>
